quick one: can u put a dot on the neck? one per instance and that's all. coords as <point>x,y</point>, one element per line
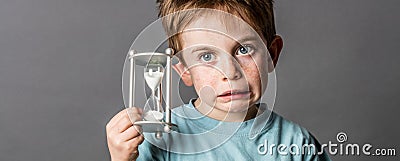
<point>226,116</point>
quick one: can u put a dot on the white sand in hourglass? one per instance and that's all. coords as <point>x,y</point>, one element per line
<point>153,80</point>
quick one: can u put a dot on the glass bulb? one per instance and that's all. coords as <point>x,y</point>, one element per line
<point>153,75</point>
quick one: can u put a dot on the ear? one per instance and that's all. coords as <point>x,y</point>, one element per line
<point>275,50</point>
<point>184,73</point>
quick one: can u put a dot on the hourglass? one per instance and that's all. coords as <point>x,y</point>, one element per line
<point>156,68</point>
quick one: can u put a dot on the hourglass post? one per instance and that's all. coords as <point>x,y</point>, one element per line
<point>168,81</point>
<point>131,77</point>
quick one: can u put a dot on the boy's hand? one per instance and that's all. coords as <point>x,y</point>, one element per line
<point>123,138</point>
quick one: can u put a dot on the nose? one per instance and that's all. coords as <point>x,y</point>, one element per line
<point>231,69</point>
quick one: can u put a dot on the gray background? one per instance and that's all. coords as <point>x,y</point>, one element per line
<point>61,65</point>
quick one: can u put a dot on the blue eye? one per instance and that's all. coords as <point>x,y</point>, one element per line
<point>207,57</point>
<point>244,50</point>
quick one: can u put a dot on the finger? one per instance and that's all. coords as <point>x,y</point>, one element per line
<point>133,117</point>
<point>134,110</point>
<point>116,118</point>
<point>130,133</point>
<point>126,122</point>
<point>132,113</point>
<point>136,141</point>
<point>123,114</point>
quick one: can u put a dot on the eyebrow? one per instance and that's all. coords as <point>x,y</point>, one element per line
<point>200,48</point>
<point>238,42</point>
<point>247,38</point>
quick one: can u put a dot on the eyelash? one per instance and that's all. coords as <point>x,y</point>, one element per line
<point>205,53</point>
<point>252,49</point>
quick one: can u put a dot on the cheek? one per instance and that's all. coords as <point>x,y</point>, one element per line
<point>253,79</point>
<point>204,82</point>
<point>203,77</point>
<point>252,73</point>
<point>256,73</point>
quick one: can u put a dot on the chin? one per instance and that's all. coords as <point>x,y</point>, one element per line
<point>236,106</point>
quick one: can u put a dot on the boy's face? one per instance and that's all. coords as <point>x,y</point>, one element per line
<point>226,62</point>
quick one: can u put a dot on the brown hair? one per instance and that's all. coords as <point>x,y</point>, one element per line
<point>257,13</point>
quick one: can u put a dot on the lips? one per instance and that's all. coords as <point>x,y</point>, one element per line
<point>234,94</point>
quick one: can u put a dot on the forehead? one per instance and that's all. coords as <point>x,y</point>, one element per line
<point>217,28</point>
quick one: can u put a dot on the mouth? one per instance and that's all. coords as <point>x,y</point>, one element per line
<point>234,94</point>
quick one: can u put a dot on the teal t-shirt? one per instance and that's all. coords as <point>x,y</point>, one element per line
<point>265,137</point>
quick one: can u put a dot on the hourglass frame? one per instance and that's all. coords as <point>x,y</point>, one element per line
<point>144,59</point>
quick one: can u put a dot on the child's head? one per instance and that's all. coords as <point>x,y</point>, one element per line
<point>258,14</point>
<point>223,49</point>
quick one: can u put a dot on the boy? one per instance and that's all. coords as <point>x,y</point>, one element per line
<point>226,49</point>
